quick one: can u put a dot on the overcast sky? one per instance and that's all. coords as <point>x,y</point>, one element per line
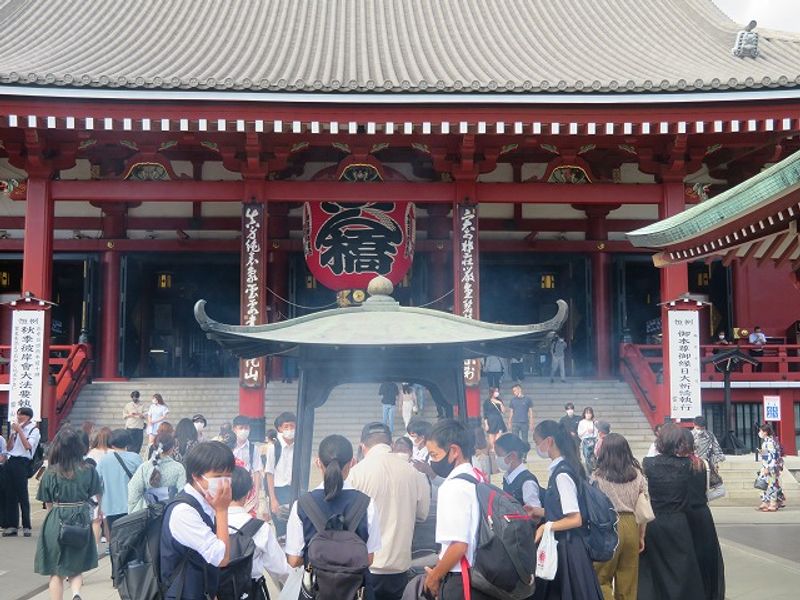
<point>771,14</point>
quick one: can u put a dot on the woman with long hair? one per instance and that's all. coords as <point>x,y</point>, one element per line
<point>701,524</point>
<point>98,449</point>
<point>165,427</point>
<point>771,467</point>
<point>157,413</point>
<point>619,476</point>
<point>157,479</point>
<point>335,496</point>
<point>66,488</point>
<point>668,567</point>
<point>494,422</point>
<point>185,438</point>
<point>99,444</point>
<point>587,433</point>
<point>575,578</point>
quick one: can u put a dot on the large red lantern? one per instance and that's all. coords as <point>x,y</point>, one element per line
<point>348,244</point>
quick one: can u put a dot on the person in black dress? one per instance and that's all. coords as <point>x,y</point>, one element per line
<point>494,422</point>
<point>575,578</point>
<point>668,567</point>
<point>701,524</point>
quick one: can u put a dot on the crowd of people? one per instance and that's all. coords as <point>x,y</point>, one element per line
<point>379,502</point>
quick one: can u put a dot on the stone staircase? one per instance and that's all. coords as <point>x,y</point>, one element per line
<point>353,405</point>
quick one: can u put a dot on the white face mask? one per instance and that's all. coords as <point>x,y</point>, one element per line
<point>242,434</point>
<point>542,453</point>
<point>288,434</point>
<point>502,464</point>
<point>215,483</point>
<point>199,426</point>
<point>570,412</point>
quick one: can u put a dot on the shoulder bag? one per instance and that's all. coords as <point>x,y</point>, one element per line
<point>75,530</point>
<point>713,492</point>
<point>643,510</point>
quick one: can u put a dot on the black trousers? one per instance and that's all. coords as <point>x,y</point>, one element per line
<point>389,587</point>
<point>137,436</point>
<point>284,496</point>
<point>453,589</point>
<point>16,484</point>
<point>3,494</point>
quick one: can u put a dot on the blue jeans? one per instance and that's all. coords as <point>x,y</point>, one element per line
<point>388,416</point>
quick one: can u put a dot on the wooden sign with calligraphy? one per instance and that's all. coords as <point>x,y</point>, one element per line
<point>466,290</point>
<point>253,301</point>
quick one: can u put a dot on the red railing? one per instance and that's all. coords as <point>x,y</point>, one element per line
<point>638,370</point>
<point>780,362</point>
<point>69,368</point>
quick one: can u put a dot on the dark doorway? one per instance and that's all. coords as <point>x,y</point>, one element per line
<point>518,289</point>
<point>159,335</point>
<point>637,288</point>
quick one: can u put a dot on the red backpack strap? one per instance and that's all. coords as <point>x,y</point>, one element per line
<point>465,578</point>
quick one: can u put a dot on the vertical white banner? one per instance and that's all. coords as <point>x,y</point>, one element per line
<point>27,362</point>
<point>684,364</point>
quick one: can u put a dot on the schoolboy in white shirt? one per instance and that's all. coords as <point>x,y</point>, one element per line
<point>451,447</point>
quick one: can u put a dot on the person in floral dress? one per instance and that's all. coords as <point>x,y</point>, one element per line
<point>771,466</point>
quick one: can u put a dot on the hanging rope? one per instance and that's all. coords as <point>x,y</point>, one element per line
<point>439,299</point>
<point>290,303</point>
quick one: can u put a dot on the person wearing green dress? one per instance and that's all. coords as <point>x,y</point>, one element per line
<point>66,488</point>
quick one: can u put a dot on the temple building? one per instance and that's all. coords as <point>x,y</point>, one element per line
<point>272,157</point>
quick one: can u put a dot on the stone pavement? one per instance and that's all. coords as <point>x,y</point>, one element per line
<point>761,550</point>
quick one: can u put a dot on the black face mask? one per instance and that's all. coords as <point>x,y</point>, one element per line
<point>442,468</point>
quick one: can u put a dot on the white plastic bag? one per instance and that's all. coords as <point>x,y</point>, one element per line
<point>547,555</point>
<point>291,589</point>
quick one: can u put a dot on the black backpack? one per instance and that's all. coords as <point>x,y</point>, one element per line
<point>337,557</point>
<point>136,553</point>
<point>37,460</point>
<point>505,553</point>
<point>235,579</point>
<point>600,519</point>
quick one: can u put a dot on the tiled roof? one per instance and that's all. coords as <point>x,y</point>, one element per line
<point>424,46</point>
<point>706,218</point>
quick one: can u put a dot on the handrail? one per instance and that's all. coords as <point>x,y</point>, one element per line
<point>73,371</point>
<point>635,376</point>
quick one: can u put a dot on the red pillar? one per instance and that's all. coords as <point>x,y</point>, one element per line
<point>787,424</point>
<point>109,357</point>
<point>254,258</point>
<point>37,271</point>
<point>674,283</point>
<point>597,230</point>
<point>601,314</point>
<point>113,228</point>
<point>278,272</point>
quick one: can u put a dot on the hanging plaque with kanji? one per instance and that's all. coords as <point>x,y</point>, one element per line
<point>348,244</point>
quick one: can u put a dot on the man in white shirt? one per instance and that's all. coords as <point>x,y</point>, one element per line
<point>268,555</point>
<point>402,496</point>
<point>21,446</point>
<point>458,512</point>
<point>135,415</point>
<point>759,340</point>
<point>280,459</point>
<point>245,452</point>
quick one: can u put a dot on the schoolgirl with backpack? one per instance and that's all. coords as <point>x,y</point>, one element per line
<point>333,531</point>
<point>569,504</point>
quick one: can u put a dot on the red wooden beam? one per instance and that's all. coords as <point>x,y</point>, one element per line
<point>554,193</point>
<point>452,112</point>
<point>318,191</point>
<point>148,191</point>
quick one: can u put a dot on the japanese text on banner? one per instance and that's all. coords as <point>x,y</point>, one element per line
<point>27,362</point>
<point>684,358</point>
